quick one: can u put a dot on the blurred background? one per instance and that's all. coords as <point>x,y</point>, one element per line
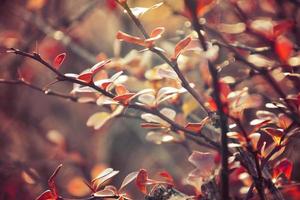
<point>38,132</point>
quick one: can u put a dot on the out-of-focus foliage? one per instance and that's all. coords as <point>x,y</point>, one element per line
<point>128,85</point>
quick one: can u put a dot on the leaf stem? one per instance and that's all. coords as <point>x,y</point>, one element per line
<point>192,5</point>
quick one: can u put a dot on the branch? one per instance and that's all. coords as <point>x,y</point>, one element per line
<point>192,5</point>
<point>242,46</point>
<point>258,180</point>
<point>61,77</point>
<point>44,91</point>
<point>50,31</point>
<point>262,71</point>
<point>173,65</point>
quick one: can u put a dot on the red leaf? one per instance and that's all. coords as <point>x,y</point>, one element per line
<point>225,90</point>
<point>111,4</point>
<point>203,6</point>
<point>141,180</point>
<point>59,59</point>
<point>212,104</point>
<point>180,46</point>
<point>124,99</point>
<point>105,85</point>
<point>194,126</point>
<point>290,192</point>
<point>282,27</point>
<point>283,48</point>
<point>86,77</point>
<point>169,179</point>
<point>283,167</point>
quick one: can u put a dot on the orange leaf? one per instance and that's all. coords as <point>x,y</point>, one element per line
<point>284,121</point>
<point>283,167</point>
<point>283,48</point>
<point>194,126</point>
<point>212,104</point>
<point>59,59</point>
<point>86,77</point>
<point>124,99</point>
<point>180,46</point>
<point>156,33</point>
<point>203,6</point>
<point>274,133</point>
<point>197,126</point>
<point>169,179</point>
<point>141,180</point>
<point>130,39</point>
<point>121,89</point>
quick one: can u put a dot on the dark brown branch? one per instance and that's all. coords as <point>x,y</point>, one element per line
<point>61,77</point>
<point>192,5</point>
<point>258,179</point>
<point>173,65</point>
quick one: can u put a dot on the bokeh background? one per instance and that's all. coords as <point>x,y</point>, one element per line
<point>38,132</point>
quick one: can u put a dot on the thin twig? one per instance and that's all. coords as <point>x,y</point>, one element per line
<point>258,180</point>
<point>44,91</point>
<point>173,65</point>
<point>61,77</point>
<point>192,5</point>
<point>262,71</point>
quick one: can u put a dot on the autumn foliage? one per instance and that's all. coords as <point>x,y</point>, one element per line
<point>214,84</point>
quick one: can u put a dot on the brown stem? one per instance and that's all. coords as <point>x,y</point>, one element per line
<point>44,91</point>
<point>173,65</point>
<point>61,77</point>
<point>258,180</point>
<point>192,5</point>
